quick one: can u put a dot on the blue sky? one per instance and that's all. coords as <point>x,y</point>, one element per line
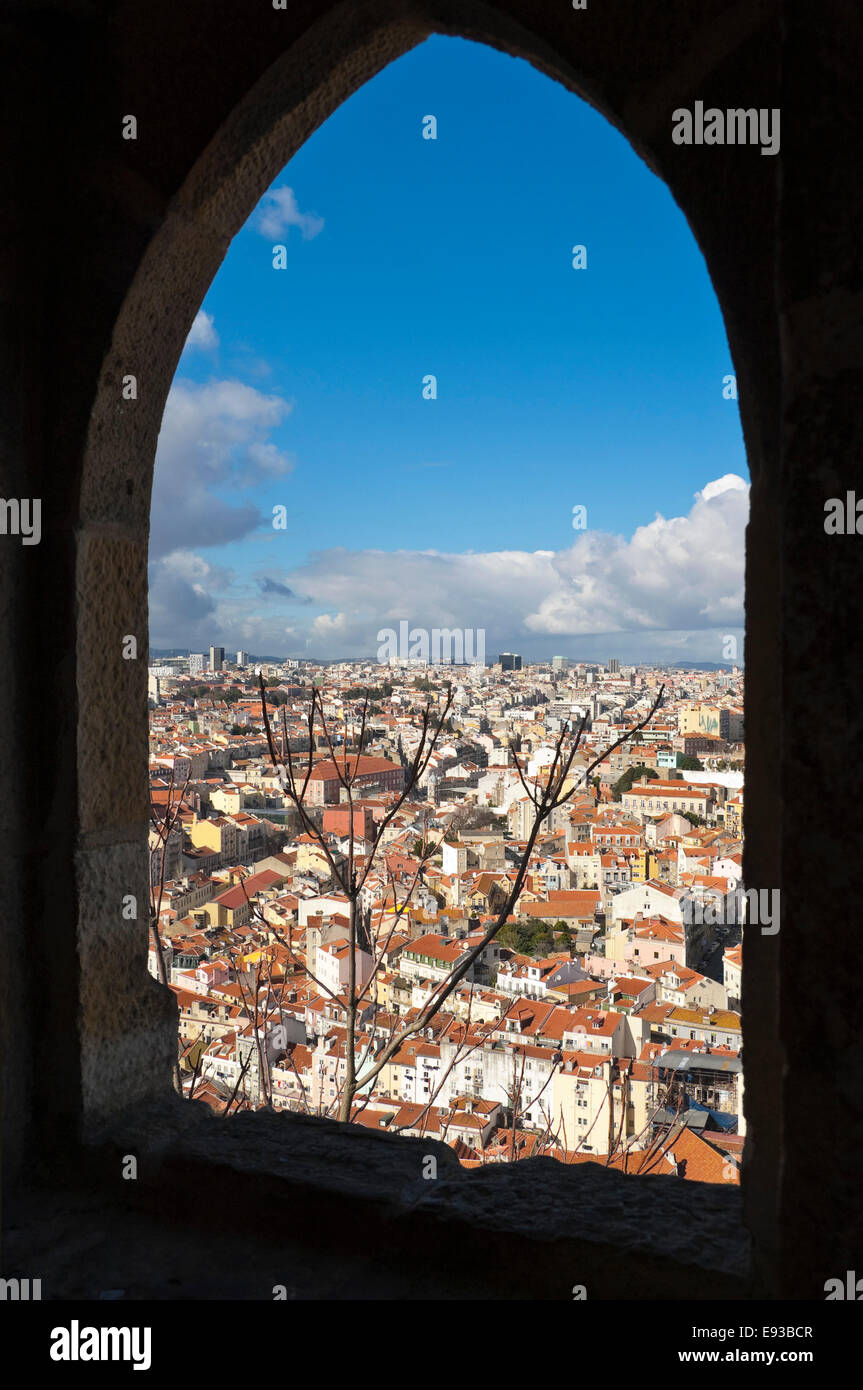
<point>601,387</point>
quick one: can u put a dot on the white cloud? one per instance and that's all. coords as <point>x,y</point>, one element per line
<point>183,583</point>
<point>680,573</point>
<point>213,436</point>
<point>728,482</point>
<point>202,334</point>
<point>278,211</point>
<point>265,457</point>
<point>328,627</point>
<point>672,590</point>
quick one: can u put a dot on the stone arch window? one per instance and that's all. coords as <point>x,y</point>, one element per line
<point>141,249</point>
<point>615,876</point>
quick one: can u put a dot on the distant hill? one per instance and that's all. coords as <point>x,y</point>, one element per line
<point>705,665</point>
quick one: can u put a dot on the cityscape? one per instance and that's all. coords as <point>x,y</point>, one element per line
<point>563,984</point>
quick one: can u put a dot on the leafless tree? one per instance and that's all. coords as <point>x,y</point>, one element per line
<point>163,824</point>
<point>558,786</point>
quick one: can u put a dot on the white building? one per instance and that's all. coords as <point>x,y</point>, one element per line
<point>650,899</point>
<point>333,963</point>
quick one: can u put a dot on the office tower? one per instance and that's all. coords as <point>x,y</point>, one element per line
<point>196,663</point>
<point>242,659</point>
<point>559,663</point>
<point>217,658</point>
<point>613,666</point>
<point>509,661</point>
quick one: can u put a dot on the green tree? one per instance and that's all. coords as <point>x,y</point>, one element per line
<point>369,692</point>
<point>527,938</point>
<point>632,774</point>
<point>689,763</point>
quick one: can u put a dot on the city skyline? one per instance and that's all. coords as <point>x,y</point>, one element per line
<point>269,659</point>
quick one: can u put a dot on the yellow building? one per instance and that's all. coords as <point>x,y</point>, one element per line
<point>643,865</point>
<point>218,835</point>
<point>734,815</point>
<point>311,856</point>
<point>592,1107</point>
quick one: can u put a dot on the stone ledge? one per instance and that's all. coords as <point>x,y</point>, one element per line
<point>530,1229</point>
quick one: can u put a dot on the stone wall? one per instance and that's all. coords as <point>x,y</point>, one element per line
<point>109,249</point>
